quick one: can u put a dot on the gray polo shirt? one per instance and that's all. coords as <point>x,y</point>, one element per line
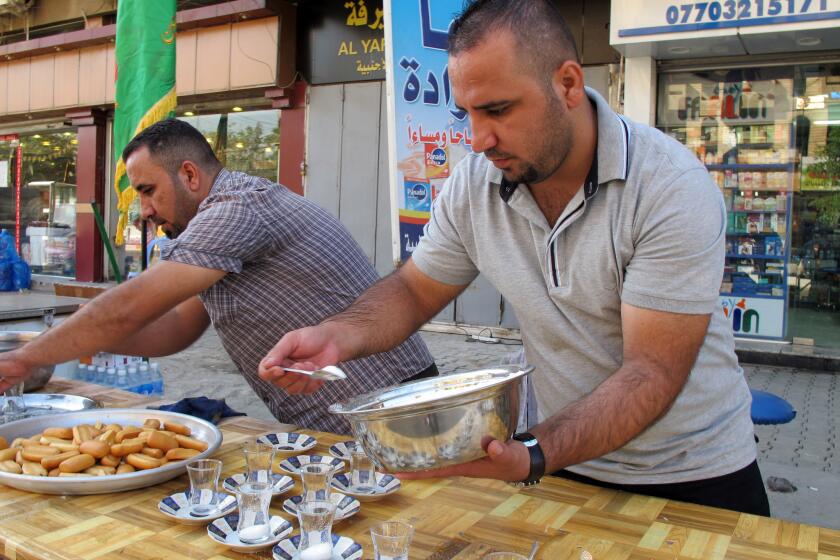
<point>647,228</point>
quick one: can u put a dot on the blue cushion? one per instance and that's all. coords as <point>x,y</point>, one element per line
<point>768,408</point>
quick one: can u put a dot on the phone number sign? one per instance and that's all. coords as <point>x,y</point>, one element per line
<point>659,17</point>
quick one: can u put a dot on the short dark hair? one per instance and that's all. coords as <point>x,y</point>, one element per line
<point>171,142</point>
<point>542,34</point>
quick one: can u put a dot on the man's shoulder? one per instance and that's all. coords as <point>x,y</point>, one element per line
<point>654,151</point>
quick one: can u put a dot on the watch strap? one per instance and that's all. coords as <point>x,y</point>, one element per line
<point>537,470</point>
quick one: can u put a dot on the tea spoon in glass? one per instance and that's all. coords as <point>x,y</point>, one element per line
<point>326,373</point>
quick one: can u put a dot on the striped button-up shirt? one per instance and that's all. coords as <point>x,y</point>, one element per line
<point>289,264</point>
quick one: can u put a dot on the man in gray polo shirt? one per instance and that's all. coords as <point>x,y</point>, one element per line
<point>607,237</point>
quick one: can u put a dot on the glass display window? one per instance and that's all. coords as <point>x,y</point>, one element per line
<point>770,138</point>
<point>738,123</point>
<point>815,239</point>
<point>38,198</point>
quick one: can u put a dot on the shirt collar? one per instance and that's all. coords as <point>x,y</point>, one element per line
<point>609,163</point>
<point>219,182</point>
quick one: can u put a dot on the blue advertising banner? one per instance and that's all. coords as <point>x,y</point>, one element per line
<point>428,133</point>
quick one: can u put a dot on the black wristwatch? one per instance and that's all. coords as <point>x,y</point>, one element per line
<point>537,459</point>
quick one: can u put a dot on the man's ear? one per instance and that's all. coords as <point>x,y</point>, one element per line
<point>192,177</point>
<point>567,82</point>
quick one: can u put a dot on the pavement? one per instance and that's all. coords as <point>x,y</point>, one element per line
<point>802,452</point>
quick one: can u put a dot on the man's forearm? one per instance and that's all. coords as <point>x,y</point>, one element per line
<point>173,332</point>
<point>614,413</point>
<point>389,312</point>
<point>101,323</point>
<point>383,316</point>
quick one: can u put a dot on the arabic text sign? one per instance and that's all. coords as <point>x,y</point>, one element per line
<point>346,40</point>
<point>432,134</point>
<point>670,16</point>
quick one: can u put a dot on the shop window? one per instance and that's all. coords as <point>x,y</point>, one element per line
<point>770,138</point>
<point>244,141</point>
<point>815,241</point>
<point>38,203</point>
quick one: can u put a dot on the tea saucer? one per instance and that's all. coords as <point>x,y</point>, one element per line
<point>292,465</point>
<point>345,506</point>
<point>280,483</point>
<point>177,507</point>
<point>223,531</point>
<point>341,450</point>
<point>344,548</point>
<point>288,443</point>
<point>386,484</point>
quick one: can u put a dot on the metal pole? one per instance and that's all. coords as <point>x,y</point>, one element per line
<point>143,241</point>
<point>107,242</point>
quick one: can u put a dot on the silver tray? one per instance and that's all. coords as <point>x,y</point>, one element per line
<point>27,427</point>
<point>39,404</point>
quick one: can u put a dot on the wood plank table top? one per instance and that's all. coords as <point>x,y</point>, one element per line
<point>459,518</point>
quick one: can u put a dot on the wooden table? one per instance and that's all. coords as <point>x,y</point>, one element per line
<point>459,519</point>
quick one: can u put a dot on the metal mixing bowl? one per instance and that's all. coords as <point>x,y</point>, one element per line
<point>11,340</point>
<point>438,421</point>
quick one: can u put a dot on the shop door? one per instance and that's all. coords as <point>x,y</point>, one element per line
<point>347,173</point>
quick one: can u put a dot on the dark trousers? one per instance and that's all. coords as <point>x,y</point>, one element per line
<point>741,491</point>
<point>431,371</point>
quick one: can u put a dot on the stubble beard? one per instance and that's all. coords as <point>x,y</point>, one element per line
<point>553,148</point>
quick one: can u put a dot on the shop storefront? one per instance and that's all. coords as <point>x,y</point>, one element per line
<point>768,131</point>
<point>235,74</point>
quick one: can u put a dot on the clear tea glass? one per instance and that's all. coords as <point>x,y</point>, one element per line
<point>317,481</point>
<point>362,471</point>
<point>253,500</point>
<point>204,485</point>
<point>14,406</point>
<point>258,460</point>
<point>391,540</point>
<point>316,519</point>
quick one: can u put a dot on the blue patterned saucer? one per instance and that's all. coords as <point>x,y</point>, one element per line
<point>345,506</point>
<point>177,507</point>
<point>292,465</point>
<point>280,483</point>
<point>386,484</point>
<point>344,548</point>
<point>223,531</point>
<point>341,450</point>
<point>288,443</point>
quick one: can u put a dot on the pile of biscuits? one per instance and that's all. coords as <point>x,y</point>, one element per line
<point>99,449</point>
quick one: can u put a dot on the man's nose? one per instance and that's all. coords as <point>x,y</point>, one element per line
<point>146,210</point>
<point>483,136</point>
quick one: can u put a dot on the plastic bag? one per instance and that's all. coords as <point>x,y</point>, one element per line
<point>6,276</point>
<point>21,275</point>
<point>7,247</point>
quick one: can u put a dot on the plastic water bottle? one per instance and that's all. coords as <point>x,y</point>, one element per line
<point>144,374</point>
<point>100,375</point>
<point>155,379</point>
<point>111,377</point>
<point>122,378</point>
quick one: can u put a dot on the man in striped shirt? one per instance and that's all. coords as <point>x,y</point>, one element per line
<point>246,254</point>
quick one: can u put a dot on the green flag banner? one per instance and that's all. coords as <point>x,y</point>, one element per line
<point>145,86</point>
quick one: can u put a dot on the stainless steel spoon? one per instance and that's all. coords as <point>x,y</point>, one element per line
<point>534,548</point>
<point>326,373</point>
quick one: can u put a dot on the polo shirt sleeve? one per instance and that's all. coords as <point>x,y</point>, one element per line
<point>679,247</point>
<point>441,253</point>
<point>223,235</point>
